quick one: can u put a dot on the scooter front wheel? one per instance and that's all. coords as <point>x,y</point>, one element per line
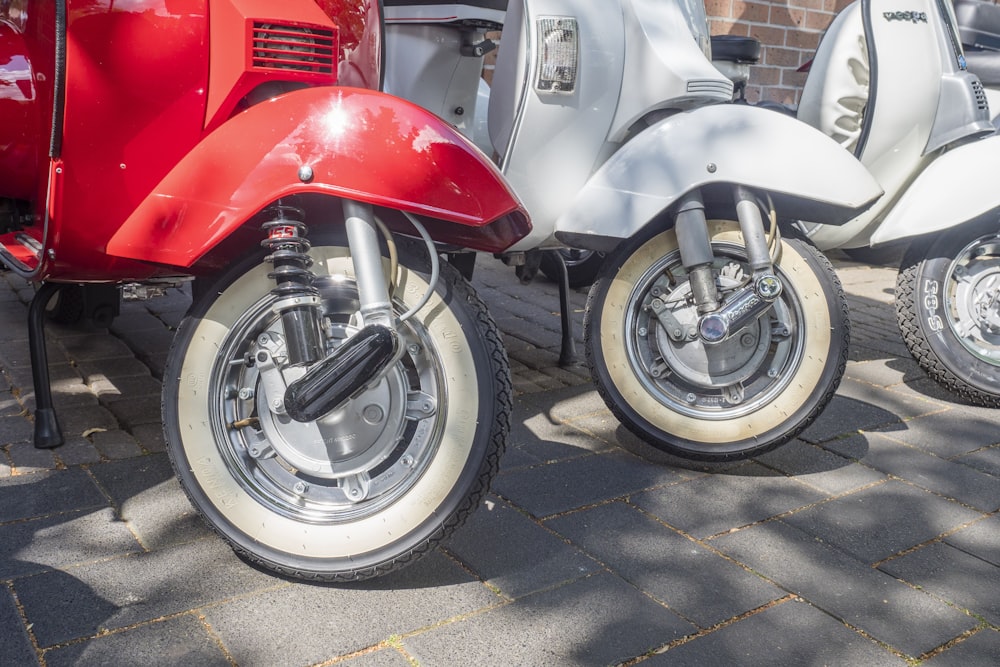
<point>731,400</point>
<point>948,310</point>
<point>368,487</point>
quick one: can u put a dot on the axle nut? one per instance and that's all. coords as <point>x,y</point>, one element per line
<point>768,287</point>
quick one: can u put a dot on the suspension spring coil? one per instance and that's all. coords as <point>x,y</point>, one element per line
<point>297,299</point>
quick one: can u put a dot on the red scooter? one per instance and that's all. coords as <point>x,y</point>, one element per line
<point>336,400</point>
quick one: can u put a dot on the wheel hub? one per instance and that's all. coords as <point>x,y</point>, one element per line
<point>351,462</point>
<point>719,365</point>
<point>976,297</point>
<point>708,381</point>
<point>355,437</point>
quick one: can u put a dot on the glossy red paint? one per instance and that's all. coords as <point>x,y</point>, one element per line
<point>356,143</point>
<point>166,133</point>
<point>25,102</point>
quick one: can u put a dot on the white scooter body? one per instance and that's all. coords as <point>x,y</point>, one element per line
<point>640,63</point>
<point>889,83</point>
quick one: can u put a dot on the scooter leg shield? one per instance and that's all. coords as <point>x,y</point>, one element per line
<point>724,144</point>
<point>349,143</point>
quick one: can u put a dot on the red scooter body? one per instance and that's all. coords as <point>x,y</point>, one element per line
<point>336,399</point>
<point>176,121</point>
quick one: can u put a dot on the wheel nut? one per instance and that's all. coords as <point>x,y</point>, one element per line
<point>246,393</point>
<point>407,461</point>
<point>747,340</point>
<point>691,398</point>
<point>300,487</point>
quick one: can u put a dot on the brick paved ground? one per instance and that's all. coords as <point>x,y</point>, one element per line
<point>873,539</point>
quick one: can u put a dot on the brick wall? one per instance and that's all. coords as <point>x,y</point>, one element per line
<point>788,30</point>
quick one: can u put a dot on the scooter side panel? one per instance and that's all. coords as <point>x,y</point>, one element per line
<point>808,174</point>
<point>343,142</point>
<point>957,187</point>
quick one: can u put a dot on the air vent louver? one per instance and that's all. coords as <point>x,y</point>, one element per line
<point>980,95</point>
<point>294,47</point>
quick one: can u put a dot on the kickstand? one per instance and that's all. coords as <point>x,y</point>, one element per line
<point>567,350</point>
<point>47,432</point>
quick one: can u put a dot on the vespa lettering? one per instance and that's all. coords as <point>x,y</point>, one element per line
<point>910,17</point>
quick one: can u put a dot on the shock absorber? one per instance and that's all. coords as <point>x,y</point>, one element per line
<point>298,301</point>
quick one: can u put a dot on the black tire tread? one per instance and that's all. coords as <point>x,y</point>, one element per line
<point>908,320</point>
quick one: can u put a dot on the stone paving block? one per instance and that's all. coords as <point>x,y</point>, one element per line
<point>844,416</point>
<point>791,633</point>
<point>25,459</point>
<point>128,387</point>
<point>15,429</point>
<point>135,319</point>
<point>968,582</point>
<point>84,601</point>
<point>28,547</point>
<point>132,412</point>
<point>945,435</point>
<point>985,460</point>
<point>599,620</point>
<point>548,438</point>
<point>387,657</point>
<point>514,554</point>
<point>567,404</point>
<point>819,468</point>
<point>882,520</point>
<point>77,450</point>
<point>151,501</point>
<point>150,347</point>
<point>15,644</point>
<point>45,493</point>
<point>952,480</point>
<point>62,375</point>
<point>92,346</point>
<point>332,621</point>
<point>979,650</point>
<point>103,369</point>
<point>981,539</point>
<point>176,641</point>
<point>115,444</point>
<point>558,487</point>
<point>714,504</point>
<point>888,610</point>
<point>696,583</point>
<point>10,406</point>
<point>150,437</point>
<point>884,372</point>
<point>66,394</point>
<point>85,419</point>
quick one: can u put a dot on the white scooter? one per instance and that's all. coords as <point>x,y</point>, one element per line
<point>889,83</point>
<point>708,334</point>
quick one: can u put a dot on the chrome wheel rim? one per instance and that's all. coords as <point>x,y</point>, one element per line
<point>351,463</point>
<point>973,294</point>
<point>728,380</point>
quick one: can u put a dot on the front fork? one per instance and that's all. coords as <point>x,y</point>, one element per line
<point>331,379</point>
<point>717,321</point>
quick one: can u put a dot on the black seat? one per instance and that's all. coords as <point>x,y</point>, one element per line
<point>735,49</point>
<point>498,5</point>
<point>985,65</point>
<point>978,24</point>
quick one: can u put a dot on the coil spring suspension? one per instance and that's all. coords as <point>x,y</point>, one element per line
<point>298,301</point>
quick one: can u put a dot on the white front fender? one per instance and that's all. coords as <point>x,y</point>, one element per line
<point>957,187</point>
<point>809,175</point>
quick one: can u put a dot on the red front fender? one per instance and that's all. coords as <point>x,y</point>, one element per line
<point>356,144</point>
